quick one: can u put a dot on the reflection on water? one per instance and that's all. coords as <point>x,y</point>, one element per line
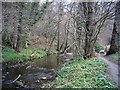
<point>50,62</point>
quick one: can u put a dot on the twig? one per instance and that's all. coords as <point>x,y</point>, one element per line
<point>33,53</point>
<point>16,78</point>
<point>69,46</point>
<point>57,73</point>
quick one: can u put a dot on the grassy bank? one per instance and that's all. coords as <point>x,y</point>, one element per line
<point>9,54</point>
<point>81,74</point>
<point>114,57</point>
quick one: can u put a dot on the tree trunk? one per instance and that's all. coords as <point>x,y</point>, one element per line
<point>88,49</point>
<point>114,46</point>
<point>17,49</point>
<point>58,27</point>
<point>53,39</point>
<point>18,44</point>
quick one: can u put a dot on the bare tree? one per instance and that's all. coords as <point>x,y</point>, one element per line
<point>18,20</point>
<point>114,45</point>
<point>91,17</point>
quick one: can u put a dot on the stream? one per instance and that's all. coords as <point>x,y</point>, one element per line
<point>31,75</point>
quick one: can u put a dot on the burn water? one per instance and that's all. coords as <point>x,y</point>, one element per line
<point>30,75</point>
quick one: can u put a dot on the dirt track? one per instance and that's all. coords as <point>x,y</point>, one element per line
<point>114,70</point>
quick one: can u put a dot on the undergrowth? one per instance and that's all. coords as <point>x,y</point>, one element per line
<point>81,74</point>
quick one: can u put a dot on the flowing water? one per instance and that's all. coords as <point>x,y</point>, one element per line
<point>30,75</point>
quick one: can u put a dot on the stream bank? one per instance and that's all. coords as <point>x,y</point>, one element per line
<point>30,75</point>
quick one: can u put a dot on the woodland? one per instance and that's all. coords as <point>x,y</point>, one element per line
<point>60,44</point>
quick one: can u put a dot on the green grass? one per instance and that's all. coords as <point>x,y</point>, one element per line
<point>81,74</point>
<point>9,54</point>
<point>98,47</point>
<point>114,57</point>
